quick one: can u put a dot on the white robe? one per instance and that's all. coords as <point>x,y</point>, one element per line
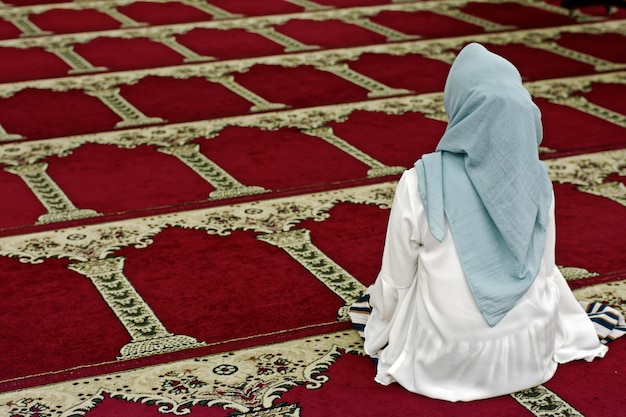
<point>427,331</point>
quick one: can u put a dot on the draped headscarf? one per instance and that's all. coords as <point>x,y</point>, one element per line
<point>486,177</point>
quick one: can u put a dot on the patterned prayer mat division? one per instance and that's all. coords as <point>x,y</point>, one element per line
<point>194,192</point>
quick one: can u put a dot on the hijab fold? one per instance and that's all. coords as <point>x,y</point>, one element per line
<point>486,178</point>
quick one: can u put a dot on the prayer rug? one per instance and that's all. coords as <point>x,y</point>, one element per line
<point>195,192</point>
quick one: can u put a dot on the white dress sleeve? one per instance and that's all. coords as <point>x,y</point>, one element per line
<point>576,337</point>
<point>399,264</point>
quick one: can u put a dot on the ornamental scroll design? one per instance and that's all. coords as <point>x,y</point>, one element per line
<point>589,171</point>
<point>430,104</point>
<point>134,30</point>
<point>92,246</point>
<point>98,5</point>
<point>93,242</point>
<point>172,135</point>
<point>568,92</point>
<point>246,382</point>
<point>79,244</point>
<point>24,153</point>
<point>440,49</point>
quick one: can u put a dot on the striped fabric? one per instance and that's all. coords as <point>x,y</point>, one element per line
<point>359,313</point>
<point>608,321</point>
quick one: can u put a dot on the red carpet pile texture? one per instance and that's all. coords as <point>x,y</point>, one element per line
<point>194,191</point>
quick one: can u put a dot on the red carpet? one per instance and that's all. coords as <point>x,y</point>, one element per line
<point>194,191</point>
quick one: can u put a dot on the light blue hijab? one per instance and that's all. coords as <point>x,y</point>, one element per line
<point>487,179</point>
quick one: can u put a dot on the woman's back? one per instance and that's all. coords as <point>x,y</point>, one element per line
<point>429,334</point>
